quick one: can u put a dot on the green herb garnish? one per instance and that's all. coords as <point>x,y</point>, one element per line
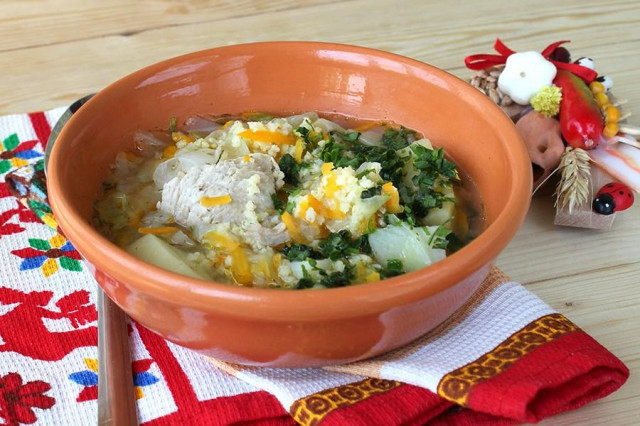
<point>296,251</point>
<point>278,204</point>
<point>394,268</point>
<point>397,138</point>
<point>439,238</point>
<point>307,136</point>
<point>432,161</point>
<point>434,174</point>
<point>368,193</point>
<point>305,281</point>
<point>290,168</point>
<point>290,206</point>
<point>338,278</point>
<point>340,155</point>
<point>454,243</point>
<point>341,244</point>
<point>364,173</point>
<point>348,136</point>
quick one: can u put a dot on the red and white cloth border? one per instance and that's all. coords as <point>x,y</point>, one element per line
<point>506,309</point>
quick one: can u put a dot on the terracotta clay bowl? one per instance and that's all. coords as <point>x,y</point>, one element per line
<point>291,328</point>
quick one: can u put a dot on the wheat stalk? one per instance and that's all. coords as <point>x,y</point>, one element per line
<point>573,187</point>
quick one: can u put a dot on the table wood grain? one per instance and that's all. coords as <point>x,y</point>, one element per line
<point>54,52</point>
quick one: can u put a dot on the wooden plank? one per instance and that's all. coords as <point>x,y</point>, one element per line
<point>429,33</point>
<point>541,251</point>
<point>43,23</point>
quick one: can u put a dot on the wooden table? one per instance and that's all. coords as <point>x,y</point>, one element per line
<point>53,52</point>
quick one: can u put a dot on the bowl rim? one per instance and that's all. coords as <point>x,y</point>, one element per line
<point>300,305</point>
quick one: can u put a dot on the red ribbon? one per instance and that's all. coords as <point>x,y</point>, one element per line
<point>482,61</point>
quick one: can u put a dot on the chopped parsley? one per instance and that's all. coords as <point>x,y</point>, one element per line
<point>350,137</point>
<point>173,124</point>
<point>398,138</point>
<point>290,168</point>
<point>368,193</point>
<point>338,278</point>
<point>432,162</point>
<point>298,252</point>
<point>439,239</point>
<point>394,268</point>
<point>340,155</point>
<point>311,137</point>
<point>304,283</point>
<point>341,244</point>
<point>352,155</point>
<point>338,246</point>
<point>290,206</point>
<point>435,174</point>
<point>364,173</point>
<point>278,204</point>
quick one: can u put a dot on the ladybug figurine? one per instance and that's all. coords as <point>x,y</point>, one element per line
<point>613,197</point>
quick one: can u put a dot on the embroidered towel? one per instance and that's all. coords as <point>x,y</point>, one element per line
<point>505,357</point>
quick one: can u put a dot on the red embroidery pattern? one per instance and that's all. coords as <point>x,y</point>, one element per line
<point>32,338</point>
<point>23,215</point>
<point>17,400</point>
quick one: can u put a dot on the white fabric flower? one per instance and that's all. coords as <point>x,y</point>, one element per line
<point>524,74</point>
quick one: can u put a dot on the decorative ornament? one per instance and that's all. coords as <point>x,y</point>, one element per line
<point>524,75</point>
<point>484,61</point>
<point>580,118</point>
<point>613,197</point>
<point>547,101</point>
<point>571,124</point>
<point>586,62</point>
<point>573,188</point>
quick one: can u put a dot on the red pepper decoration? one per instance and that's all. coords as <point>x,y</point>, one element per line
<point>581,121</point>
<point>613,197</point>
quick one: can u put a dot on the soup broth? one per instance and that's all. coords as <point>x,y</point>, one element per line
<point>287,202</point>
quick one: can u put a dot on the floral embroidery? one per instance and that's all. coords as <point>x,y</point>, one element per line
<point>49,255</point>
<point>17,400</point>
<point>89,378</point>
<point>14,154</point>
<point>141,376</point>
<point>43,211</point>
<point>28,185</point>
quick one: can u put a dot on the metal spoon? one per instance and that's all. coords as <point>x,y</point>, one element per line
<point>116,402</point>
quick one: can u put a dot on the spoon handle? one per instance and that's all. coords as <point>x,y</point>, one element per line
<point>116,402</point>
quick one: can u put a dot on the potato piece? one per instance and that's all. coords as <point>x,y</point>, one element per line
<point>411,246</point>
<point>442,214</point>
<point>156,251</point>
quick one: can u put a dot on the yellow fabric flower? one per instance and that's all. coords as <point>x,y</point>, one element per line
<point>547,101</point>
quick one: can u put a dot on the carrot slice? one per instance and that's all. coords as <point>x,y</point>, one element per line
<point>158,230</point>
<point>215,201</point>
<point>267,136</point>
<point>393,203</point>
